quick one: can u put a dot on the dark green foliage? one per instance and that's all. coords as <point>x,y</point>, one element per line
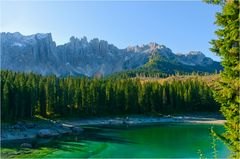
<point>172,67</point>
<point>25,95</point>
<point>220,2</point>
<point>227,46</point>
<point>137,73</point>
<point>160,66</point>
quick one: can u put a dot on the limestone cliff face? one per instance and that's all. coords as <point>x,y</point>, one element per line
<point>35,53</point>
<point>194,58</point>
<point>38,53</point>
<point>90,58</point>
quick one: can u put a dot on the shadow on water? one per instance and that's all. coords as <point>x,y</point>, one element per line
<point>72,143</point>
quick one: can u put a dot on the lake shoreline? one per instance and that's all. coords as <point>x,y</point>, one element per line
<point>141,120</point>
<point>31,129</point>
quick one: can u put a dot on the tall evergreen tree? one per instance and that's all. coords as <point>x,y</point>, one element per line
<point>5,101</point>
<point>227,47</point>
<point>42,99</point>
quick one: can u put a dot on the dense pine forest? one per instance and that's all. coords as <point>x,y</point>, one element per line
<point>27,95</point>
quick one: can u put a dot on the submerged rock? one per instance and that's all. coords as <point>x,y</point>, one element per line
<point>17,153</point>
<point>16,126</point>
<point>46,133</point>
<point>64,131</point>
<point>26,145</point>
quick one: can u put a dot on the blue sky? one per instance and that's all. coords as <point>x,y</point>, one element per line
<point>180,25</point>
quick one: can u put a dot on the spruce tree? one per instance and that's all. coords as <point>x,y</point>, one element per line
<point>5,101</point>
<point>227,47</point>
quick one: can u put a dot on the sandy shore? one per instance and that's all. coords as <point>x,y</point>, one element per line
<point>30,129</point>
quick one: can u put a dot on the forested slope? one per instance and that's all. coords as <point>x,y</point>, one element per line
<point>26,95</point>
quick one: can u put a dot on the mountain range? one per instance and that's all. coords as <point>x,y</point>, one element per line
<point>38,53</point>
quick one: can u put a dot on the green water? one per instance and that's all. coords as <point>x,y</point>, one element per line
<point>155,141</point>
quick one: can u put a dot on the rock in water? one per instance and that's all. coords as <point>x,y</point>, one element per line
<point>64,131</point>
<point>44,133</point>
<point>26,145</point>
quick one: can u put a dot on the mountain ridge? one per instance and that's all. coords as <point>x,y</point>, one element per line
<point>39,53</point>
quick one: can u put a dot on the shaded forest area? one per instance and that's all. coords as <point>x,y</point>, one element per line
<point>26,95</point>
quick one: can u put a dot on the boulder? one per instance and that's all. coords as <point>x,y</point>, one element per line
<point>19,125</point>
<point>64,131</point>
<point>44,133</point>
<point>67,126</point>
<point>26,145</point>
<point>16,126</point>
<point>30,125</point>
<point>58,125</point>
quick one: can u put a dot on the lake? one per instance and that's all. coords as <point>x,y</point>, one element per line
<point>168,140</point>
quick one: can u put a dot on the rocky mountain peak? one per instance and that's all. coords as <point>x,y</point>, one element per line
<point>197,54</point>
<point>43,36</point>
<point>84,39</point>
<point>147,48</point>
<point>73,39</point>
<point>38,53</point>
<point>194,58</point>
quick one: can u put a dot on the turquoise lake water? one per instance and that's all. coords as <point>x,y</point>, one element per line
<point>167,140</point>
